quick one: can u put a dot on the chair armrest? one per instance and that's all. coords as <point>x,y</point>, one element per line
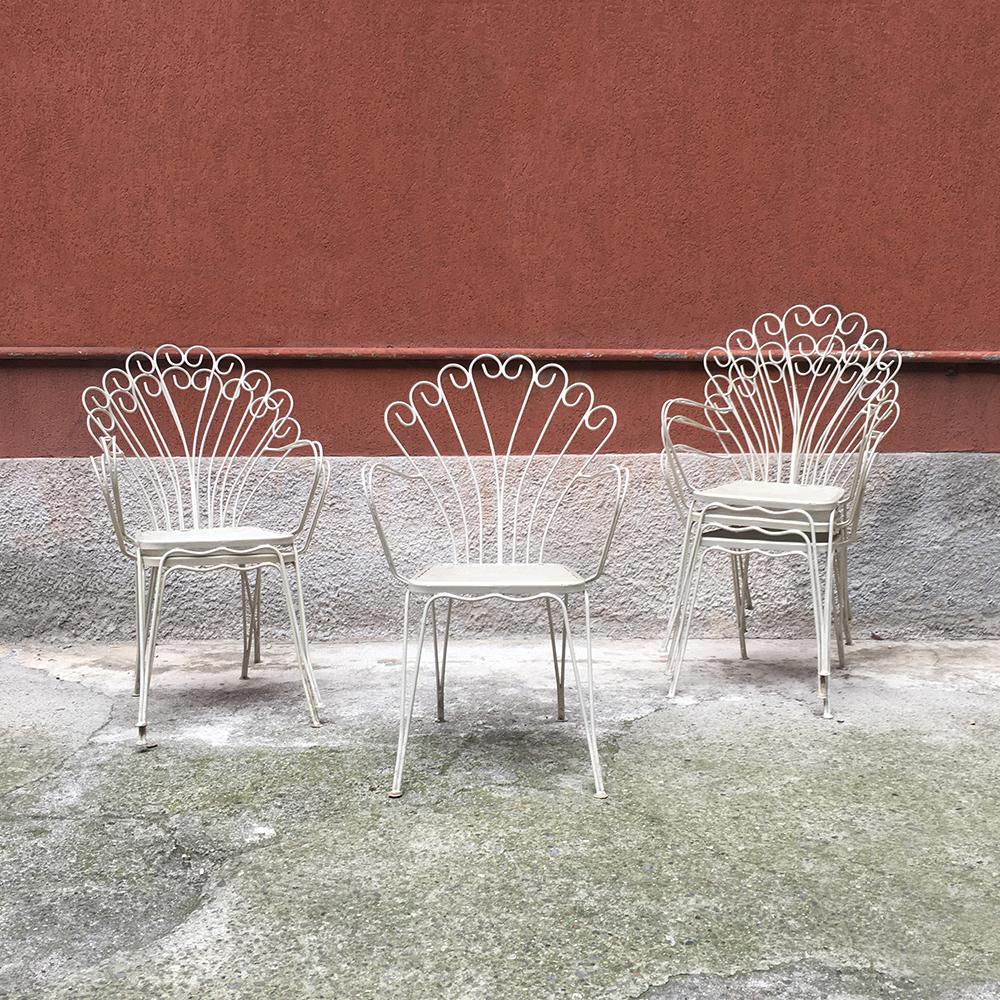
<point>686,413</point>
<point>619,476</point>
<point>155,495</point>
<point>368,474</point>
<point>315,499</point>
<point>771,523</point>
<point>107,473</point>
<point>249,481</point>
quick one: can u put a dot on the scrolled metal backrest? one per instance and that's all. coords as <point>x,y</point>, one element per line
<point>803,398</point>
<point>499,443</point>
<point>196,431</point>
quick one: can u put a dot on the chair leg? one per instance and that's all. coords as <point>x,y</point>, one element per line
<point>688,552</point>
<point>822,594</point>
<point>686,607</point>
<point>558,664</point>
<point>310,672</point>
<point>589,726</point>
<point>407,693</point>
<point>440,655</point>
<point>844,596</point>
<point>256,616</point>
<point>305,668</point>
<point>747,597</point>
<point>148,644</point>
<point>828,607</point>
<point>143,608</point>
<point>247,613</point>
<point>838,626</point>
<point>736,563</point>
<point>141,624</point>
<point>441,664</point>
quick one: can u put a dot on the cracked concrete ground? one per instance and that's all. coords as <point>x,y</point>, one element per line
<point>748,848</point>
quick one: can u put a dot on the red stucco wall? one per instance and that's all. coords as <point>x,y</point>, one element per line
<point>522,173</point>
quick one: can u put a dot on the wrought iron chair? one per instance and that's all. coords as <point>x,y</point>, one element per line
<point>795,408</point>
<point>498,515</point>
<point>192,447</point>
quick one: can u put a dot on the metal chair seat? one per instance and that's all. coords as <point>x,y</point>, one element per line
<point>240,540</point>
<point>498,578</point>
<point>734,539</point>
<point>773,496</point>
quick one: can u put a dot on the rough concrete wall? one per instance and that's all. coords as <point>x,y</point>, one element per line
<point>591,173</point>
<point>926,566</point>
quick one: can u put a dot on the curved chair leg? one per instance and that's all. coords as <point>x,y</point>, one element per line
<point>440,656</point>
<point>747,596</point>
<point>305,668</point>
<point>589,726</point>
<point>310,672</point>
<point>148,643</point>
<point>685,614</point>
<point>558,664</point>
<point>143,608</point>
<point>407,693</point>
<point>838,627</point>
<point>844,595</point>
<point>739,592</point>
<point>256,616</point>
<point>688,552</point>
<point>247,611</point>
<point>822,595</point>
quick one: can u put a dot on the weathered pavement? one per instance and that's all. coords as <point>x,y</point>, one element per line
<point>748,848</point>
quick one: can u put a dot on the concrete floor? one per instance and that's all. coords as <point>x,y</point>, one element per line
<point>748,848</point>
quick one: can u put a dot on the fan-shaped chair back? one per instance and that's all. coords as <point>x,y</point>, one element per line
<point>796,398</point>
<point>499,444</point>
<point>199,433</point>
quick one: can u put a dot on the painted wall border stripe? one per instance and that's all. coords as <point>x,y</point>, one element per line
<point>376,355</point>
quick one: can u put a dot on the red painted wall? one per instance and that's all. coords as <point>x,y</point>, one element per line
<point>523,173</point>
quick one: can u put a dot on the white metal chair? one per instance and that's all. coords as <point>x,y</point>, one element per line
<point>192,447</point>
<point>795,408</point>
<point>498,515</point>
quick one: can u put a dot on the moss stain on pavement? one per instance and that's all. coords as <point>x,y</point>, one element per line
<point>742,835</point>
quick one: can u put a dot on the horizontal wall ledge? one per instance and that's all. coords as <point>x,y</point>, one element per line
<point>376,355</point>
<point>341,397</point>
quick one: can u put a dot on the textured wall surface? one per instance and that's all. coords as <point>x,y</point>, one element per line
<point>928,563</point>
<point>519,174</point>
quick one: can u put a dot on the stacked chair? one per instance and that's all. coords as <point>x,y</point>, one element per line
<point>795,407</point>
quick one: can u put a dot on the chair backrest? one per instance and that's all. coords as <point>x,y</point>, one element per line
<point>499,444</point>
<point>805,397</point>
<point>199,433</point>
<point>797,398</point>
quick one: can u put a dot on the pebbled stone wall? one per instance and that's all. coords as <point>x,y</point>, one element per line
<point>927,564</point>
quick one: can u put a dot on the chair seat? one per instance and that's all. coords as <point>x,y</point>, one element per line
<point>773,496</point>
<point>505,578</point>
<point>732,539</point>
<point>199,540</point>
